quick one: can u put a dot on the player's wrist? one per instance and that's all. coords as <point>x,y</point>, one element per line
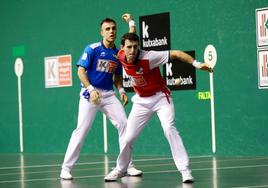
<point>196,64</point>
<point>131,23</point>
<point>90,88</point>
<point>122,91</point>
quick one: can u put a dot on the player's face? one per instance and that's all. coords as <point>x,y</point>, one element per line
<point>108,31</point>
<point>131,50</point>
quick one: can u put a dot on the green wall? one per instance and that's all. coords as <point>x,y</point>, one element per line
<point>49,28</point>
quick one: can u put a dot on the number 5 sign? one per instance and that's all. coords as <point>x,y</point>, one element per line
<point>210,55</point>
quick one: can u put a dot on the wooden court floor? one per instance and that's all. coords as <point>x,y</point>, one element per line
<point>42,171</point>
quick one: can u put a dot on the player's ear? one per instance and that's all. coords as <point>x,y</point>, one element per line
<point>102,31</point>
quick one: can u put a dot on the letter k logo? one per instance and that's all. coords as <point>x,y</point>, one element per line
<point>51,69</point>
<point>169,69</point>
<point>145,30</point>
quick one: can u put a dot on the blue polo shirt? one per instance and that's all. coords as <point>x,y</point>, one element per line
<point>100,64</point>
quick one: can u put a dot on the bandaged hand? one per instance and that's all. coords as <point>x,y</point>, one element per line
<point>95,97</point>
<point>92,94</point>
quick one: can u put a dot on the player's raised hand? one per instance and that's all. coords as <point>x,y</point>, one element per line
<point>127,17</point>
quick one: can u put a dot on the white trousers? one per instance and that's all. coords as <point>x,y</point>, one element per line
<point>110,106</point>
<point>142,110</point>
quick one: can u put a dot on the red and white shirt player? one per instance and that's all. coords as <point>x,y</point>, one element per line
<point>145,74</point>
<point>152,96</point>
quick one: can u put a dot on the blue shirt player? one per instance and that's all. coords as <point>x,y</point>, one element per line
<point>98,70</point>
<point>101,64</point>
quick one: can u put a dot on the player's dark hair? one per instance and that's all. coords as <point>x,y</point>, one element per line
<point>129,36</point>
<point>107,20</point>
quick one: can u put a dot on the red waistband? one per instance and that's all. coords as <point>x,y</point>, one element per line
<point>166,91</point>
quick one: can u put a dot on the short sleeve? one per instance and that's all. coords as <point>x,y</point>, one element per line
<point>157,58</point>
<point>86,57</point>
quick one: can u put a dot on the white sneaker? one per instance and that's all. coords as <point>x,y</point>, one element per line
<point>187,176</point>
<point>132,171</point>
<point>113,175</point>
<point>66,175</point>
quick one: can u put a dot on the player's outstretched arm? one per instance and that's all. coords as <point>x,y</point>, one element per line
<point>129,19</point>
<point>184,57</point>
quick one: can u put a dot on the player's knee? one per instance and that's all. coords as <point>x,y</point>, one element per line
<point>170,130</point>
<point>122,121</point>
<point>120,124</point>
<point>128,140</point>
